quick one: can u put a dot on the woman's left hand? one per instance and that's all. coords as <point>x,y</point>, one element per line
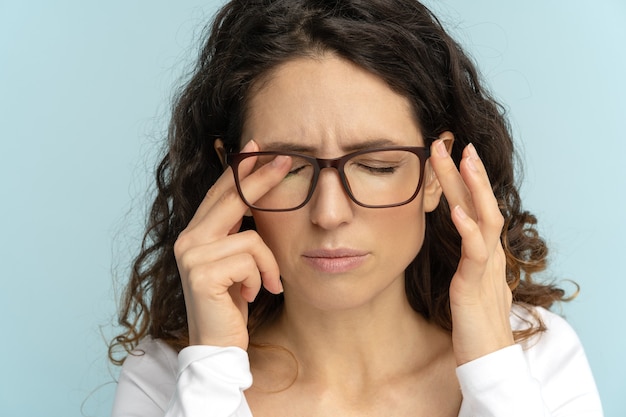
<point>480,298</point>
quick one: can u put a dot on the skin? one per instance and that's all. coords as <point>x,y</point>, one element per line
<point>360,348</point>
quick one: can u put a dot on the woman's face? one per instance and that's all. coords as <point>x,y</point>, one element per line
<point>332,253</point>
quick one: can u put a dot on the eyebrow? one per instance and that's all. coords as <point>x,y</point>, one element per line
<point>351,147</point>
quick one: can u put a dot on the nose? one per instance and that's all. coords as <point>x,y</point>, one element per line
<point>330,205</point>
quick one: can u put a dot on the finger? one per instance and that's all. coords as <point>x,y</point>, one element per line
<point>230,208</point>
<point>250,285</point>
<point>476,256</point>
<point>216,300</point>
<point>225,182</point>
<point>474,252</point>
<point>213,281</point>
<point>220,215</point>
<point>450,178</point>
<point>246,242</point>
<point>488,214</point>
<point>241,296</point>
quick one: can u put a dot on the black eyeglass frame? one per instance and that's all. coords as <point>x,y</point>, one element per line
<point>422,152</point>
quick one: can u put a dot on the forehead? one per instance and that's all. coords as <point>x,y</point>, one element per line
<point>327,102</point>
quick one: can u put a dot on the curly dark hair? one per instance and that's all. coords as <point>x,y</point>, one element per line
<point>398,40</point>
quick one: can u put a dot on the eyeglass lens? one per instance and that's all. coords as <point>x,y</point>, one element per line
<point>374,179</point>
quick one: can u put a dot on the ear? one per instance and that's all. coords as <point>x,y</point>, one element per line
<point>218,145</point>
<point>432,187</point>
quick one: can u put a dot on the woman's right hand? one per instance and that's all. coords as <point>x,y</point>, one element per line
<point>222,270</point>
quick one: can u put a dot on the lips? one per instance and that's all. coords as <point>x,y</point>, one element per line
<point>335,261</point>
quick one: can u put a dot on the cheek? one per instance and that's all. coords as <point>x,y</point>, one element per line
<point>406,232</point>
<point>276,229</point>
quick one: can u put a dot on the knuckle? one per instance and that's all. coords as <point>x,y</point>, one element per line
<point>183,261</point>
<point>197,280</point>
<point>215,193</point>
<point>473,228</point>
<point>497,220</point>
<point>492,219</point>
<point>500,256</point>
<point>228,197</point>
<point>194,279</point>
<point>247,262</point>
<point>468,205</point>
<point>481,257</point>
<point>210,194</point>
<point>200,276</point>
<point>448,171</point>
<point>182,243</point>
<point>251,236</point>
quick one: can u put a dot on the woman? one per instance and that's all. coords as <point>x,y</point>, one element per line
<point>353,255</point>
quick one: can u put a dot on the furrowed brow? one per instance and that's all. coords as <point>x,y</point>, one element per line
<point>288,147</point>
<point>280,146</point>
<point>370,143</point>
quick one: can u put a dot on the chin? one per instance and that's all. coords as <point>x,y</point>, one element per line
<point>343,292</point>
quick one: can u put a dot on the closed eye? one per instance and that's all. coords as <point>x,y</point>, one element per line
<point>297,170</point>
<point>378,169</point>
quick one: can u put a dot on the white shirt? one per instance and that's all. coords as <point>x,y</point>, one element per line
<point>548,375</point>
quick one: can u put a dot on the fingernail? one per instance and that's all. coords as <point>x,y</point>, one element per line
<point>441,148</point>
<point>249,146</point>
<point>280,160</point>
<point>471,163</point>
<point>472,151</point>
<point>460,212</point>
<point>472,158</point>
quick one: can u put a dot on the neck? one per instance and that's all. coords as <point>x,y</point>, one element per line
<point>380,339</point>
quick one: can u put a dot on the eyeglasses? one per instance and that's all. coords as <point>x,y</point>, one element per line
<point>372,178</point>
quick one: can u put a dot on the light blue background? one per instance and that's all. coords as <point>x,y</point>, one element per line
<point>84,97</point>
